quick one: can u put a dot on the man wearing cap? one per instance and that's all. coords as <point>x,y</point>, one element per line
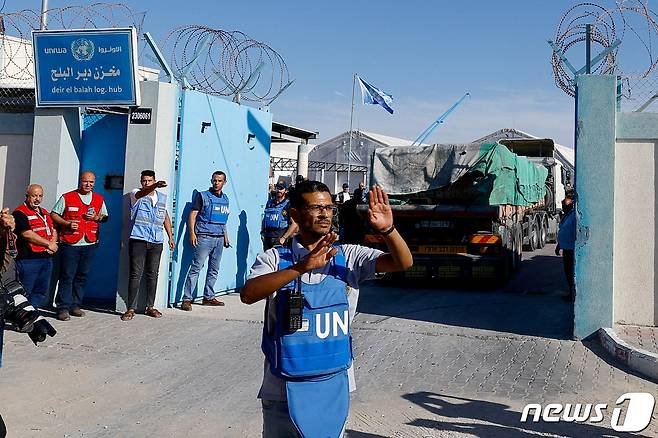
<point>277,225</point>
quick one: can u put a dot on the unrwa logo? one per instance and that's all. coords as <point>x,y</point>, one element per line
<point>224,209</point>
<point>82,49</point>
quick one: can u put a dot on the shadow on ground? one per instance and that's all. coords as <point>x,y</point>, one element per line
<point>531,303</point>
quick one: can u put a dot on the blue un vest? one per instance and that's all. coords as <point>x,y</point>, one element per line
<point>275,219</point>
<point>148,219</point>
<point>213,215</point>
<point>313,361</point>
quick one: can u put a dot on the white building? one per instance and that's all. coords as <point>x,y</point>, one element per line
<point>329,161</point>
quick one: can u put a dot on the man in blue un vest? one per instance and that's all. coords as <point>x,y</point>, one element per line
<point>311,292</point>
<point>277,225</point>
<point>208,236</point>
<point>149,221</point>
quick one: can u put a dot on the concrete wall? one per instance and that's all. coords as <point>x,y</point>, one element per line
<point>616,249</point>
<point>635,233</point>
<point>56,151</point>
<point>636,229</point>
<point>151,146</point>
<point>15,157</point>
<point>595,183</point>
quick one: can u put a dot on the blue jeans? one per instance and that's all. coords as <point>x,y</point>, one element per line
<point>35,276</point>
<point>208,247</point>
<point>75,262</point>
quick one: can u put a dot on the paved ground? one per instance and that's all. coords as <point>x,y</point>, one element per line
<point>429,363</point>
<point>645,338</point>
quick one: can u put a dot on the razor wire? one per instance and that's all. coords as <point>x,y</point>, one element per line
<point>226,63</point>
<point>16,58</point>
<point>628,21</point>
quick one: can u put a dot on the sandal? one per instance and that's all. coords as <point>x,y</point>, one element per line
<point>128,315</point>
<point>152,312</point>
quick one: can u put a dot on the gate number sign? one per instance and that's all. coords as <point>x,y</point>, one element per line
<point>140,116</point>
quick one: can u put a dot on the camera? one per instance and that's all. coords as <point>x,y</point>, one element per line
<point>18,311</point>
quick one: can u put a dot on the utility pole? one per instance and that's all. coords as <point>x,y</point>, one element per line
<point>44,14</point>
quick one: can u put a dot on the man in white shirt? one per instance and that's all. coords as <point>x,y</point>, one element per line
<point>308,367</point>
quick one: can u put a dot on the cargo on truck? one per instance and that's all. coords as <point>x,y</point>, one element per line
<point>467,211</point>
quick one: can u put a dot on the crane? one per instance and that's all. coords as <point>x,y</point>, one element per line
<point>426,133</point>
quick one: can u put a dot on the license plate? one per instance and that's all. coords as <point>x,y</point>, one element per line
<point>441,249</point>
<point>434,224</point>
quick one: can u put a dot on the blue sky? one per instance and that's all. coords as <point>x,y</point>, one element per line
<point>426,54</point>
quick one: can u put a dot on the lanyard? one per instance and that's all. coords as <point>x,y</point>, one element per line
<point>43,218</point>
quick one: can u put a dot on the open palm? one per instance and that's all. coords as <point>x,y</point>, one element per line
<point>380,215</point>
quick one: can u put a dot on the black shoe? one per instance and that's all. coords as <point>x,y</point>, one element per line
<point>77,312</point>
<point>63,315</point>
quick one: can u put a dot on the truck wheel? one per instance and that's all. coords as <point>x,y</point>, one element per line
<point>519,246</point>
<point>516,249</point>
<point>534,236</point>
<point>543,232</point>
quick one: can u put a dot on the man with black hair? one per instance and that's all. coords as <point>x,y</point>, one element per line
<point>148,218</point>
<point>566,241</point>
<point>277,226</point>
<point>311,288</point>
<point>208,235</point>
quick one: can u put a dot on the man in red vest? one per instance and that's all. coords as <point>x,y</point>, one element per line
<point>77,214</point>
<point>36,243</point>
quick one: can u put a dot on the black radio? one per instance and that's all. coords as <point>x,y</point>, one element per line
<point>295,307</point>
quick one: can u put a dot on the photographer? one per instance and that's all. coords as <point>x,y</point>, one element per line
<point>14,307</point>
<point>307,284</point>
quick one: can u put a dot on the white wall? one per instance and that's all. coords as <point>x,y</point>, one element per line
<point>15,157</point>
<point>151,147</point>
<point>635,233</point>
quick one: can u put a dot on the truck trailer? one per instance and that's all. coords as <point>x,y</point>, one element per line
<point>468,211</point>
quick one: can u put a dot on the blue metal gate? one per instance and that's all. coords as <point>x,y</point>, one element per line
<point>103,152</point>
<point>216,134</point>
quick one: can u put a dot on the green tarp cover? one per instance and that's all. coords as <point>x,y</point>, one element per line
<point>497,175</point>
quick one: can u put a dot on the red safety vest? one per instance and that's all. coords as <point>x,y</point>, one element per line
<point>73,210</point>
<point>40,222</point>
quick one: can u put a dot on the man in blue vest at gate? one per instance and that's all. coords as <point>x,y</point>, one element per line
<point>149,221</point>
<point>208,236</point>
<point>277,225</point>
<point>311,292</point>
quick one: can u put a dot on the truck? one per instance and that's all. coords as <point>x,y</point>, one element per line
<point>468,211</point>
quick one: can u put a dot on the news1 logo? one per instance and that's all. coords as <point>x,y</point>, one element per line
<point>638,413</point>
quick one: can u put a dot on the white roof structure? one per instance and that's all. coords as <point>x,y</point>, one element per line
<point>563,153</point>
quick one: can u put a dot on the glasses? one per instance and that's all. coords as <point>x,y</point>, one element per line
<point>315,209</point>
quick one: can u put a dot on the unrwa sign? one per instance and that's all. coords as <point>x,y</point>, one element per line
<point>85,67</point>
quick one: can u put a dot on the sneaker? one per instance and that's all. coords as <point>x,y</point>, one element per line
<point>77,312</point>
<point>63,315</point>
<point>212,302</point>
<point>187,306</point>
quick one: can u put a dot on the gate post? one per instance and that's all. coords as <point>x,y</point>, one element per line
<point>595,206</point>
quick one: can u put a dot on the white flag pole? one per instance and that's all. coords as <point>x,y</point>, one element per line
<point>349,151</point>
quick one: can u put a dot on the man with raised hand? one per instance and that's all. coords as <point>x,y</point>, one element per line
<point>311,292</point>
